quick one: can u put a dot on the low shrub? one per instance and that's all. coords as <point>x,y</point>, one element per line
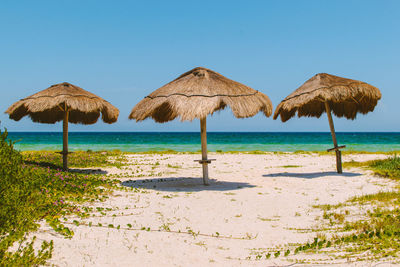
<point>30,193</point>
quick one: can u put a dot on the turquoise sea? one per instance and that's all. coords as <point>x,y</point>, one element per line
<point>190,141</point>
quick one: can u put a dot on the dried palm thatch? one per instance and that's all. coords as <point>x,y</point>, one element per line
<point>47,106</point>
<point>196,94</point>
<point>325,92</point>
<point>346,98</point>
<point>65,102</point>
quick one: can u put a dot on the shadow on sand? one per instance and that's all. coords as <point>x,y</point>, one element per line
<point>311,175</point>
<point>58,168</point>
<point>185,184</point>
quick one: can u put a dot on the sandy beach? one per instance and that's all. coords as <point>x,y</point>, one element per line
<point>164,216</point>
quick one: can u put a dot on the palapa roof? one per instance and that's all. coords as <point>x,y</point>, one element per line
<point>198,93</point>
<point>346,98</point>
<point>47,106</point>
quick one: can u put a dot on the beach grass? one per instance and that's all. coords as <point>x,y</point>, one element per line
<point>376,233</point>
<point>77,159</point>
<point>389,168</point>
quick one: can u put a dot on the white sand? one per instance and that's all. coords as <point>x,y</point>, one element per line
<point>253,203</point>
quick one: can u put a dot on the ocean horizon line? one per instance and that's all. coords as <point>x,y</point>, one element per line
<point>193,132</point>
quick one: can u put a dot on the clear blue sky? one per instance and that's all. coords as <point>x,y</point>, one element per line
<point>123,50</point>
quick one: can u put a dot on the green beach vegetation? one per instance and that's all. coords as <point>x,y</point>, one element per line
<point>376,233</point>
<point>31,192</point>
<point>78,159</point>
<point>371,235</point>
<point>389,168</point>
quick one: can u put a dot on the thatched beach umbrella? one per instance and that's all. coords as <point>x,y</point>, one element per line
<point>196,94</point>
<point>64,102</point>
<point>326,93</point>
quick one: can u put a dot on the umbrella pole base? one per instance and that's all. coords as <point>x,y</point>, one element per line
<point>205,163</point>
<point>338,157</point>
<point>339,161</point>
<point>206,181</point>
<point>65,166</point>
<point>65,160</point>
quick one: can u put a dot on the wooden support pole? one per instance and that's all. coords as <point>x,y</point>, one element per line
<point>203,130</point>
<point>65,138</point>
<point>337,151</point>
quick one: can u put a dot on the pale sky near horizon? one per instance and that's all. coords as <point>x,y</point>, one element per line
<point>124,50</point>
